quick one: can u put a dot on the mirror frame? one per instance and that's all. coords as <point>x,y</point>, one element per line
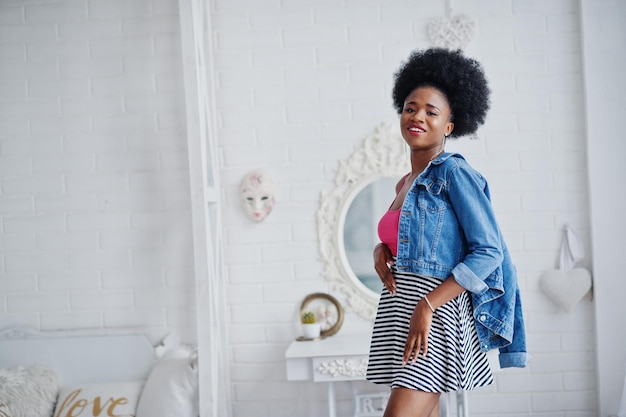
<point>382,154</point>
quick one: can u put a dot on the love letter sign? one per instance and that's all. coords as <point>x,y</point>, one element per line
<point>99,400</point>
<point>74,405</point>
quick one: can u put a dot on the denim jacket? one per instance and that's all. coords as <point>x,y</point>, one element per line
<point>448,227</point>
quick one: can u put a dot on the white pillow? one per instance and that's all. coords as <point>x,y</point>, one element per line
<point>98,399</point>
<point>171,388</point>
<point>28,391</point>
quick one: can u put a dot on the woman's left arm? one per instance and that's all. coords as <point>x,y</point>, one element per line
<point>470,200</point>
<point>421,319</point>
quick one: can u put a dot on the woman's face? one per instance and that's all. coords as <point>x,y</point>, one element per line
<point>425,119</point>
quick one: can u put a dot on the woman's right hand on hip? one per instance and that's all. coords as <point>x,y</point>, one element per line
<point>383,259</point>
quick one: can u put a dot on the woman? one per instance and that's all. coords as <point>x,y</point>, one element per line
<point>450,290</point>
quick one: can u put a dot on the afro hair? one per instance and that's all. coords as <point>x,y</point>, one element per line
<point>461,79</point>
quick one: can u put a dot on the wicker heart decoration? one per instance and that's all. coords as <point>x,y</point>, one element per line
<point>453,33</point>
<point>566,288</point>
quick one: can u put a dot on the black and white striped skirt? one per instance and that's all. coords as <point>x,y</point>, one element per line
<point>454,360</point>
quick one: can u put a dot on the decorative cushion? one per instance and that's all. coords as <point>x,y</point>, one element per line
<point>172,387</point>
<point>28,391</point>
<point>97,400</point>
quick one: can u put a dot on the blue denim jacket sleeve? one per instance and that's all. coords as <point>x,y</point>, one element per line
<point>470,200</point>
<point>499,318</point>
<point>514,354</point>
<point>487,270</point>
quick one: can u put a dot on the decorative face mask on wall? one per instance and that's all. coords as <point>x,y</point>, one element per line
<point>257,194</point>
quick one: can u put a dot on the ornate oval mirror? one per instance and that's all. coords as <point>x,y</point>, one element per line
<point>360,228</point>
<point>348,216</point>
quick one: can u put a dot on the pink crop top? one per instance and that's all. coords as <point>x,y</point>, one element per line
<point>388,226</point>
<point>388,230</point>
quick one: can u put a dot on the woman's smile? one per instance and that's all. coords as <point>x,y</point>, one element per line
<point>425,118</point>
<point>415,130</point>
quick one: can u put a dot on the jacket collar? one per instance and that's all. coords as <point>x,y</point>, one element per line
<point>444,156</point>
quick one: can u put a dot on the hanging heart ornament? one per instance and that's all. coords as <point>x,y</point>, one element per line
<point>566,288</point>
<point>567,285</point>
<point>453,33</point>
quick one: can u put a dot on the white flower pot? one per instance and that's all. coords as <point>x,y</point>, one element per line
<point>311,330</point>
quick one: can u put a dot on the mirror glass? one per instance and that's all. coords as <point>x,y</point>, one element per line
<point>360,232</point>
<point>347,219</point>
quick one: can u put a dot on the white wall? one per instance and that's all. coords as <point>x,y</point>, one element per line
<point>300,84</point>
<point>603,42</point>
<point>94,216</point>
<point>95,226</point>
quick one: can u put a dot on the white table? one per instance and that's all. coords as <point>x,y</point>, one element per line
<point>342,357</point>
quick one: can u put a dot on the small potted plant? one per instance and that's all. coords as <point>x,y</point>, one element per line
<point>310,327</point>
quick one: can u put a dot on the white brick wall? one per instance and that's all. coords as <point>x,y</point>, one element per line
<point>300,84</point>
<point>94,216</point>
<point>94,195</point>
